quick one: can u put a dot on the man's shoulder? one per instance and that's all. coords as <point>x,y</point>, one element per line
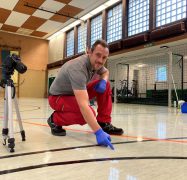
<point>82,58</point>
<point>78,59</point>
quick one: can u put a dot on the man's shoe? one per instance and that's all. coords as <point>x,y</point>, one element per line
<point>55,130</point>
<point>110,129</point>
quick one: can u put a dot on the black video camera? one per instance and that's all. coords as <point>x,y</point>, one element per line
<point>11,63</point>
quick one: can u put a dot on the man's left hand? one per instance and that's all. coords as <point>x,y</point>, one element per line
<point>100,87</point>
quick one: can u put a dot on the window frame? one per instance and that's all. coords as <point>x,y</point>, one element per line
<point>107,11</point>
<point>136,32</point>
<point>169,23</point>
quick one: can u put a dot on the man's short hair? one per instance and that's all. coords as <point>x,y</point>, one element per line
<point>99,42</point>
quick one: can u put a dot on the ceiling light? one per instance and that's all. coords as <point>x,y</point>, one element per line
<point>54,35</point>
<point>64,29</point>
<point>140,65</point>
<point>111,2</point>
<point>73,24</point>
<point>98,10</point>
<point>164,47</point>
<point>87,16</point>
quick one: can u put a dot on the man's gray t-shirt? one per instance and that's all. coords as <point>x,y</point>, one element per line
<point>74,74</point>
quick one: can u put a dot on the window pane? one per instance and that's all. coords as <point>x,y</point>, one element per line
<point>70,43</point>
<point>138,10</point>
<point>114,23</point>
<point>176,9</point>
<point>161,73</point>
<point>96,28</point>
<point>82,34</point>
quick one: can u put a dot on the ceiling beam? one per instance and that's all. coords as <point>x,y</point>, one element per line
<point>42,9</point>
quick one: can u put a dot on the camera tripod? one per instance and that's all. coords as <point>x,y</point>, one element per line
<point>8,129</point>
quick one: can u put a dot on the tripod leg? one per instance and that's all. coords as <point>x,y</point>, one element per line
<point>5,118</point>
<point>19,119</point>
<point>11,140</point>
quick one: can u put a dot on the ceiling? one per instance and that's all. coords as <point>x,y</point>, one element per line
<point>41,18</point>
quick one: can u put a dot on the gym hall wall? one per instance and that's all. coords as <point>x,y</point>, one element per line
<point>34,54</point>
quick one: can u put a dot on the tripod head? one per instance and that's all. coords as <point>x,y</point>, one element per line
<point>12,62</point>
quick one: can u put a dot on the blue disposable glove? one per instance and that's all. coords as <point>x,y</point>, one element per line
<point>100,87</point>
<point>103,139</point>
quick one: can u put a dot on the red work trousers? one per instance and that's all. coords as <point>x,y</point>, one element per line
<point>67,111</point>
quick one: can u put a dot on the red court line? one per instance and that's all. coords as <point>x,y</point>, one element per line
<point>119,136</point>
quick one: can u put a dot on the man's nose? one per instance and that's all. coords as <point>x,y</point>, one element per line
<point>100,60</point>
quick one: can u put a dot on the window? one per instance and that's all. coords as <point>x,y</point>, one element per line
<point>114,23</point>
<point>82,33</point>
<point>169,11</point>
<point>138,16</point>
<point>70,43</point>
<point>96,29</point>
<point>161,74</point>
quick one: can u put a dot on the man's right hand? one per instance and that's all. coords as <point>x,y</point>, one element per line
<point>103,139</point>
